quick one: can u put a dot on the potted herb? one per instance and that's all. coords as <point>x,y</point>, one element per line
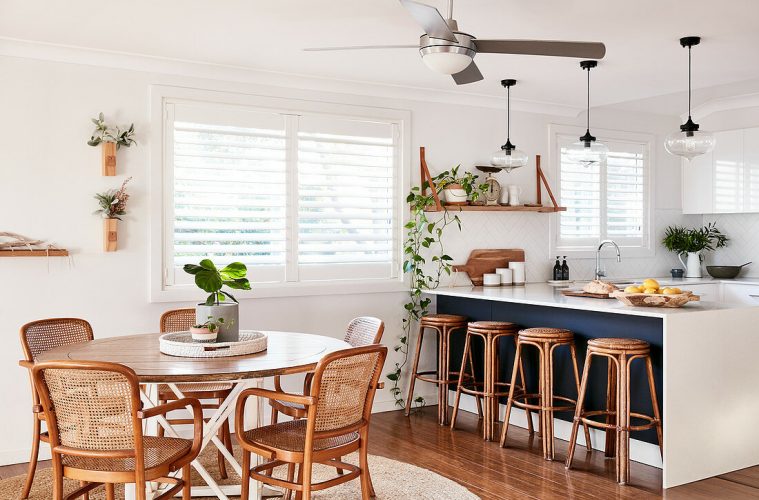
<point>458,188</point>
<point>206,331</point>
<point>211,279</point>
<point>112,207</point>
<point>111,138</point>
<point>691,242</point>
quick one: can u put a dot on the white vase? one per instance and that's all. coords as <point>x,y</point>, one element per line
<point>229,330</point>
<point>692,264</point>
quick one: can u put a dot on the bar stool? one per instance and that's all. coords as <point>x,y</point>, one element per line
<point>546,340</point>
<point>443,325</point>
<point>490,332</point>
<point>620,353</point>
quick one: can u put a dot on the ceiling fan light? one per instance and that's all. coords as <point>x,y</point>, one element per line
<point>447,63</point>
<point>509,159</point>
<point>690,143</point>
<point>587,153</point>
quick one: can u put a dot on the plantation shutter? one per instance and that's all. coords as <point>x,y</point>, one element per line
<point>229,192</point>
<point>345,199</point>
<point>604,201</point>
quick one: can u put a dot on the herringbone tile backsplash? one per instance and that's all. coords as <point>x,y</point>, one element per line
<point>743,231</point>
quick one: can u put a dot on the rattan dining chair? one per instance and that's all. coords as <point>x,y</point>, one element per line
<point>180,320</point>
<point>36,338</point>
<point>95,419</point>
<point>338,407</point>
<point>361,331</point>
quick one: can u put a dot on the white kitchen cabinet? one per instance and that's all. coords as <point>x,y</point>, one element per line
<point>726,180</point>
<point>709,292</point>
<point>740,294</point>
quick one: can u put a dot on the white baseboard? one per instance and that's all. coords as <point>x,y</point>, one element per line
<point>20,456</point>
<point>640,451</point>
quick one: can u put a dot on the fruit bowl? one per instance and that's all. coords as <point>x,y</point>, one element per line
<point>655,299</point>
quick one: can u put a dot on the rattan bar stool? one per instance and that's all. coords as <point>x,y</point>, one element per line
<point>443,325</point>
<point>546,340</point>
<point>620,354</point>
<point>490,332</point>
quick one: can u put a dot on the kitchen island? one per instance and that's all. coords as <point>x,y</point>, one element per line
<point>705,368</point>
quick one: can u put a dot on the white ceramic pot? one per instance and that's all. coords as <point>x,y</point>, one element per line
<point>454,193</point>
<point>692,264</point>
<point>203,334</point>
<point>229,331</point>
<point>514,192</point>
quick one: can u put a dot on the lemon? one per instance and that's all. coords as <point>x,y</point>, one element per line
<point>673,291</point>
<point>651,291</point>
<point>651,283</point>
<point>641,289</point>
<point>632,289</point>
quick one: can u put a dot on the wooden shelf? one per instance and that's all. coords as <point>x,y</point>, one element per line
<point>496,208</point>
<point>53,252</point>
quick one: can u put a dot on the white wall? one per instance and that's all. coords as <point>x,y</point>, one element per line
<point>49,176</point>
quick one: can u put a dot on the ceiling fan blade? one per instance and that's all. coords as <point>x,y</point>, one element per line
<point>429,18</point>
<point>587,50</point>
<point>470,75</point>
<point>361,47</point>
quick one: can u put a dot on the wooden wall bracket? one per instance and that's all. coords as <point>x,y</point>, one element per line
<point>427,180</point>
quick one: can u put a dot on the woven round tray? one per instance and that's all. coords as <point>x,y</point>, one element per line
<point>181,344</point>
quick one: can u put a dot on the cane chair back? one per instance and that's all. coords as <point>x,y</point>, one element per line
<point>94,405</point>
<point>45,334</point>
<point>177,320</point>
<point>344,386</point>
<point>364,330</point>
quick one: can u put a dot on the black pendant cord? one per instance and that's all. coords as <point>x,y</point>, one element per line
<point>508,114</point>
<point>588,110</point>
<point>690,49</point>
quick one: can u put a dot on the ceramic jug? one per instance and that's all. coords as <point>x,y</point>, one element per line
<point>692,264</point>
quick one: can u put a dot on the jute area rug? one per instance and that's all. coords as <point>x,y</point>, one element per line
<point>392,480</point>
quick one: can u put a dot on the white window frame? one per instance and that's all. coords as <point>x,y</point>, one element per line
<point>648,249</point>
<point>160,249</point>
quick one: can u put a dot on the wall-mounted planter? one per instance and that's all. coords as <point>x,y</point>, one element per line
<point>109,158</point>
<point>110,234</point>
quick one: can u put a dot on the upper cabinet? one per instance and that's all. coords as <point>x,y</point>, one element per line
<point>727,179</point>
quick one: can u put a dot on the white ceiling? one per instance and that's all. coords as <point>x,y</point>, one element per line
<point>644,58</point>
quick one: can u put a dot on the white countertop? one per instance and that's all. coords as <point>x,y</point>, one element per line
<point>542,294</point>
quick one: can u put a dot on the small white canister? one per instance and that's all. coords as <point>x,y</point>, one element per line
<point>491,279</point>
<point>507,278</point>
<point>518,270</point>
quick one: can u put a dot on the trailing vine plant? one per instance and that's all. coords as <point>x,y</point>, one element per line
<point>424,232</point>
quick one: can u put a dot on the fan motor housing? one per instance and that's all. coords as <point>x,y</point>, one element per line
<point>465,45</point>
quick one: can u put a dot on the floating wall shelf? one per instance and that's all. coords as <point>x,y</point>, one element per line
<point>53,252</point>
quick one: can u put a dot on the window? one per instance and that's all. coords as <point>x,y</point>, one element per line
<point>300,197</point>
<point>606,201</point>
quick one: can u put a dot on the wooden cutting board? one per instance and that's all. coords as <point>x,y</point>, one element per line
<point>482,261</point>
<point>580,293</point>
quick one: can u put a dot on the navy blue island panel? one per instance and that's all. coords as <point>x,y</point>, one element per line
<point>585,325</point>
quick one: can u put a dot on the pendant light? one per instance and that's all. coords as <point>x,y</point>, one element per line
<point>588,151</point>
<point>689,142</point>
<point>508,157</point>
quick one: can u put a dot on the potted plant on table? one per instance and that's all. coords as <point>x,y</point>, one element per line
<point>211,279</point>
<point>458,188</point>
<point>691,242</point>
<point>206,331</point>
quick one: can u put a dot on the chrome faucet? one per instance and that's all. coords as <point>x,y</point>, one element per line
<point>599,272</point>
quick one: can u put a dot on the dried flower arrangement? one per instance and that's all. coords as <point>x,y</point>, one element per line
<point>112,202</point>
<point>104,133</point>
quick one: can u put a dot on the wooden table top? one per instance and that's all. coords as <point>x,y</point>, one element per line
<point>287,352</point>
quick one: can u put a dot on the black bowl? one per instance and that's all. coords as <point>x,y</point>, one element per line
<point>724,272</point>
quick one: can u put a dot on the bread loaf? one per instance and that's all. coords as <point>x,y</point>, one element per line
<point>598,286</point>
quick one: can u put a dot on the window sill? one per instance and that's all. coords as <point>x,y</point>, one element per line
<point>607,252</point>
<point>185,293</point>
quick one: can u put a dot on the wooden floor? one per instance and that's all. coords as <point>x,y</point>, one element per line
<point>519,471</point>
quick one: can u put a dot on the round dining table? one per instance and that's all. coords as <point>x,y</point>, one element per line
<point>287,353</point>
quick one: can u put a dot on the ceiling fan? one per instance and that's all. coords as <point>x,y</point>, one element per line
<point>447,50</point>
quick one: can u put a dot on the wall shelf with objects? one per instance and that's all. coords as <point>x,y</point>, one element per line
<point>53,252</point>
<point>537,207</point>
<point>16,245</point>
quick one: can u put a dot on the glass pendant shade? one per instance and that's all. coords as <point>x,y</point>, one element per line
<point>509,159</point>
<point>447,63</point>
<point>689,144</point>
<point>587,153</point>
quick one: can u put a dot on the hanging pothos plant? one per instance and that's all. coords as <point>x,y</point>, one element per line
<point>424,232</point>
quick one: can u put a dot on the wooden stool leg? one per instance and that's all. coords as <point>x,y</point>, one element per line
<point>477,398</point>
<point>412,380</point>
<point>487,431</point>
<point>611,406</point>
<point>110,493</point>
<point>573,353</point>
<point>510,400</point>
<point>578,410</point>
<point>442,374</point>
<point>36,429</point>
<point>520,363</point>
<point>467,355</point>
<point>547,400</point>
<point>654,402</point>
<point>623,419</point>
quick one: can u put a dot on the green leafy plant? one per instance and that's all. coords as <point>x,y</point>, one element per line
<point>211,279</point>
<point>104,133</point>
<point>113,202</point>
<point>211,324</point>
<point>424,232</point>
<point>467,181</point>
<point>682,240</point>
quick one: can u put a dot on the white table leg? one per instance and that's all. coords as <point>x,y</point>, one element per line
<point>210,430</point>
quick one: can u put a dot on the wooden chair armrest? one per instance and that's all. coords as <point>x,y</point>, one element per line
<point>167,407</point>
<point>268,394</point>
<point>197,423</point>
<point>26,363</point>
